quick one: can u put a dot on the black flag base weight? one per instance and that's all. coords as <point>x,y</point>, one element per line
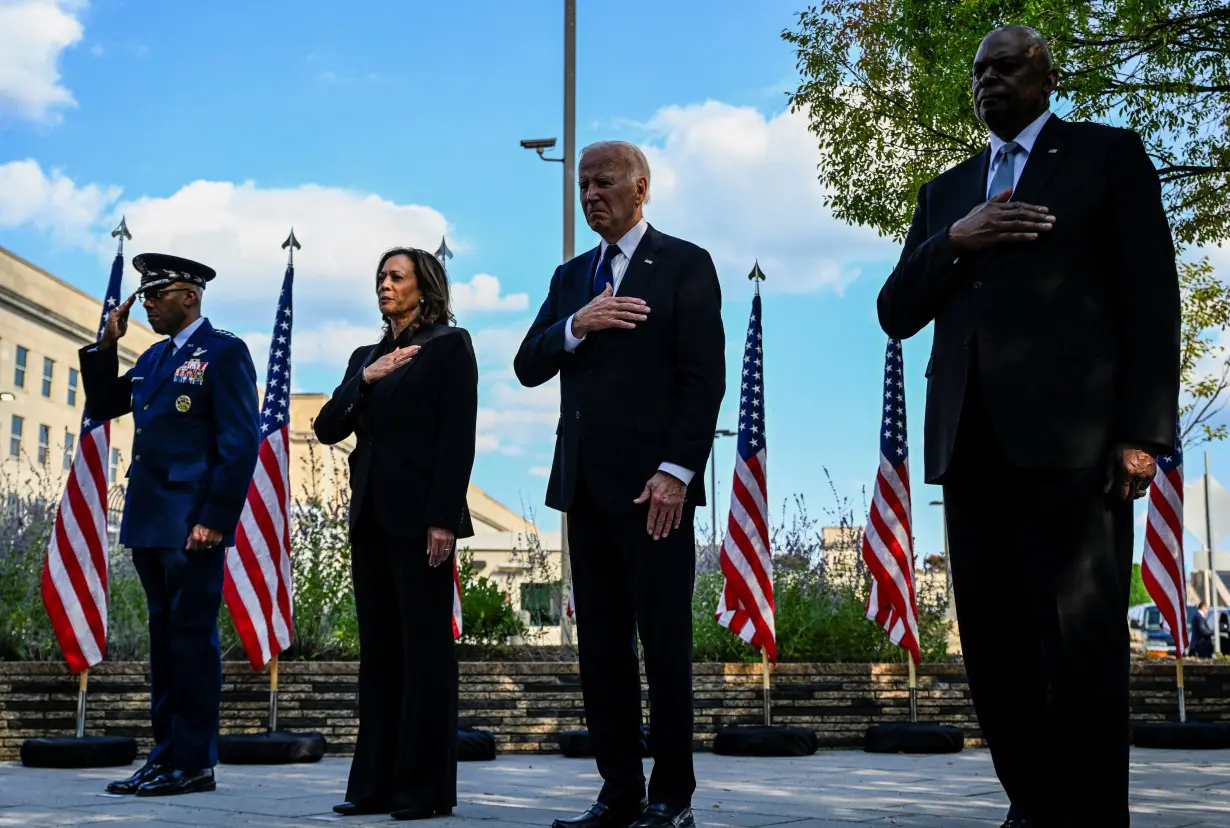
<point>765,740</point>
<point>1182,735</point>
<point>913,737</point>
<point>278,747</point>
<point>575,744</point>
<point>78,752</point>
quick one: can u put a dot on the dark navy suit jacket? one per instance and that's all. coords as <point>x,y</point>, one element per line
<point>632,399</point>
<point>196,434</point>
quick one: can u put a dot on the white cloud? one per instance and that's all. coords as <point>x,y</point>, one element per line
<point>33,35</point>
<point>744,187</point>
<point>50,201</point>
<point>541,471</point>
<point>482,293</point>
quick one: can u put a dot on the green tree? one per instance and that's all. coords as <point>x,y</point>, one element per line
<point>1139,593</point>
<point>885,85</point>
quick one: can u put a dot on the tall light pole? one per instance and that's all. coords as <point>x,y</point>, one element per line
<point>570,196</point>
<point>721,432</point>
<point>951,613</point>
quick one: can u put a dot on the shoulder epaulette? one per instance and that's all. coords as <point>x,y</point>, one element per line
<point>225,333</point>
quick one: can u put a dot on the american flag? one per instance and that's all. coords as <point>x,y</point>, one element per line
<point>745,606</point>
<point>443,254</point>
<point>888,546</point>
<point>74,586</point>
<point>456,599</point>
<point>257,581</point>
<point>1162,563</point>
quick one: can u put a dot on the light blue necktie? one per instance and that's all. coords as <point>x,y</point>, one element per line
<point>1003,179</point>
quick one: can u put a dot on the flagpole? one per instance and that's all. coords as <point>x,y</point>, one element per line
<point>290,246</point>
<point>909,660</point>
<point>768,703</point>
<point>1212,573</point>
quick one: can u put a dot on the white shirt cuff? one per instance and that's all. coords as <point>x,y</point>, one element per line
<point>678,471</point>
<point>570,341</point>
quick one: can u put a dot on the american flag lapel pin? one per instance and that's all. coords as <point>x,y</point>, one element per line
<point>1053,150</point>
<point>649,261</point>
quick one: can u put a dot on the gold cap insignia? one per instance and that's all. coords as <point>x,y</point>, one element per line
<point>183,403</point>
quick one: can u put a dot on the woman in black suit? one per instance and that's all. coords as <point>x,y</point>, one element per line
<point>411,400</point>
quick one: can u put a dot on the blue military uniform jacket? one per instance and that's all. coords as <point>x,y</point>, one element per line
<point>196,433</point>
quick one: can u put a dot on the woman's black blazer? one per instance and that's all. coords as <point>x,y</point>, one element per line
<point>415,432</point>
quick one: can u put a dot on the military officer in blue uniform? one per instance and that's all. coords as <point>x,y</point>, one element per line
<point>194,405</point>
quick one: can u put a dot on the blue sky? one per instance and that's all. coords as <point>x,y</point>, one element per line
<point>215,127</point>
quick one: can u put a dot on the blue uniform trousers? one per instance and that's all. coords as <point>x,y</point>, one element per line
<point>183,590</point>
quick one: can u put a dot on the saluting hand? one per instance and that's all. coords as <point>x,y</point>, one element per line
<point>999,221</point>
<point>388,363</point>
<point>203,537</point>
<point>609,311</point>
<point>666,495</point>
<point>439,545</point>
<point>117,324</point>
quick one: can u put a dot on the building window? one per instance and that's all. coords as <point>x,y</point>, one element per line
<point>44,443</point>
<point>68,450</point>
<point>15,437</point>
<point>72,386</point>
<point>19,372</point>
<point>49,366</point>
<point>114,471</point>
<point>542,602</point>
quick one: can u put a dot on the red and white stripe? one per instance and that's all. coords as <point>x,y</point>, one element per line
<point>888,553</point>
<point>456,599</point>
<point>745,606</point>
<point>257,582</point>
<point>74,582</point>
<point>1162,563</point>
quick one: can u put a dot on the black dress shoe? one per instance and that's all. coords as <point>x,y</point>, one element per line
<point>421,813</point>
<point>361,808</point>
<point>666,816</point>
<point>601,815</point>
<point>129,786</point>
<point>175,782</point>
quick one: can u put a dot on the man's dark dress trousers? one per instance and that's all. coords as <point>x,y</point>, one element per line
<point>195,447</point>
<point>1046,355</point>
<point>631,400</point>
<point>410,470</point>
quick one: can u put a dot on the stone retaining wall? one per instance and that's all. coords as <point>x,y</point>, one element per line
<point>526,705</point>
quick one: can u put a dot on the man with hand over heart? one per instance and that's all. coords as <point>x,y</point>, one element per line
<point>633,329</point>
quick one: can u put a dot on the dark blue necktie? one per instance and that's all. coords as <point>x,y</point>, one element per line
<point>604,276</point>
<point>167,350</point>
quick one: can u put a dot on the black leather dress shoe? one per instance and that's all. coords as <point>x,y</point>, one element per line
<point>601,815</point>
<point>129,786</point>
<point>666,816</point>
<point>421,813</point>
<point>175,782</point>
<point>361,808</point>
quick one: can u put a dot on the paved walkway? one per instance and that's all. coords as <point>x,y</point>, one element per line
<point>835,788</point>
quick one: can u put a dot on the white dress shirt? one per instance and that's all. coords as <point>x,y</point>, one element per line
<point>183,336</point>
<point>619,266</point>
<point>1026,139</point>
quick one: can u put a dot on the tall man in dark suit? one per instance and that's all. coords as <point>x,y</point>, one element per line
<point>634,330</point>
<point>193,402</point>
<point>1047,265</point>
